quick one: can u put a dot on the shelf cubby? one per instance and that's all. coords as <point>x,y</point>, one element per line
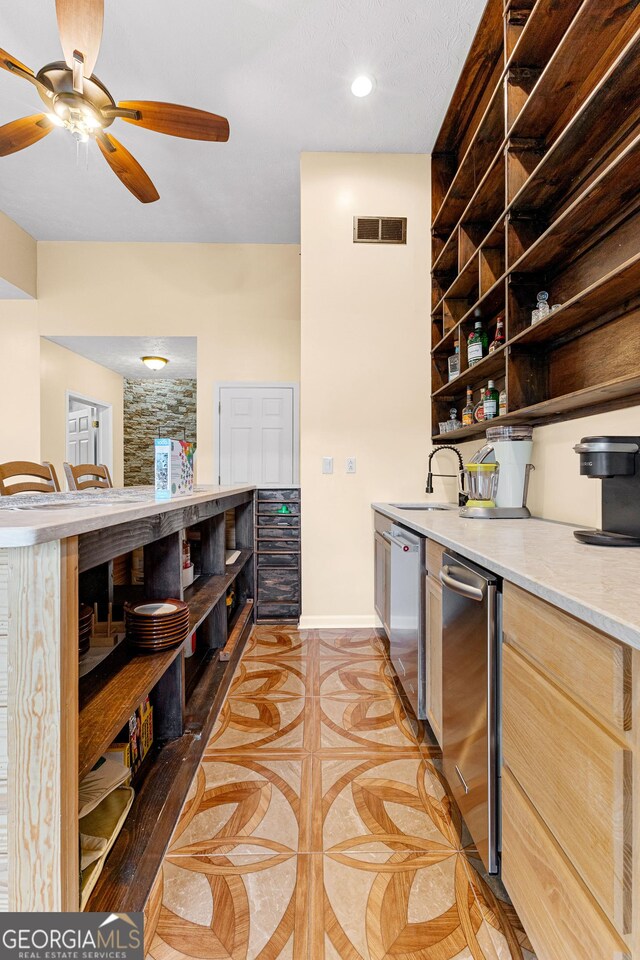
<point>557,208</point>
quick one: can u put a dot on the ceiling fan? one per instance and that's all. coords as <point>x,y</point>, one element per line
<point>77,100</point>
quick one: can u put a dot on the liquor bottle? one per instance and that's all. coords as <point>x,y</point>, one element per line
<point>498,340</point>
<point>502,403</point>
<point>454,361</point>
<point>467,412</point>
<point>491,399</point>
<point>476,344</point>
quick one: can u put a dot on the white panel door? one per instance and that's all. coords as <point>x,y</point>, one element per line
<point>81,443</point>
<point>256,435</point>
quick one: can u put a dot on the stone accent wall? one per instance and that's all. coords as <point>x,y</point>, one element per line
<point>154,408</point>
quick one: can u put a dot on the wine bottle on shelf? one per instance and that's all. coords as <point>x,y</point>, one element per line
<point>491,400</point>
<point>467,412</point>
<point>476,344</point>
<point>499,338</point>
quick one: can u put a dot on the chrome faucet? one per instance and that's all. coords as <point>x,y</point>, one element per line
<point>462,497</point>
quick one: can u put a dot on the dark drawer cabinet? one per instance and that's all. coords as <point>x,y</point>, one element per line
<point>278,580</point>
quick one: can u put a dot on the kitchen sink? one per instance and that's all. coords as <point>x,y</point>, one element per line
<point>423,506</point>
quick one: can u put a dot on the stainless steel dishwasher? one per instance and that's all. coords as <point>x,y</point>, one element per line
<point>407,640</point>
<point>471,630</point>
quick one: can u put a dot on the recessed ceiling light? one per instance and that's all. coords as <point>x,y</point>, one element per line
<point>362,86</point>
<point>155,363</point>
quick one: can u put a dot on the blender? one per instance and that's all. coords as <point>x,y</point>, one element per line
<point>482,484</point>
<point>510,447</point>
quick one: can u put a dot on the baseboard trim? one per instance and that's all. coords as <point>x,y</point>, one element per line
<point>337,622</point>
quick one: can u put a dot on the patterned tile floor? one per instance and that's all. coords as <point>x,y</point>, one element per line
<point>318,826</point>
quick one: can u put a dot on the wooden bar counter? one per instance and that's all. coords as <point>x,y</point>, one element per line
<point>54,725</point>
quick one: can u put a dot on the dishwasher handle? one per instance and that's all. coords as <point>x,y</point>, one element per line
<point>458,586</point>
<point>396,541</point>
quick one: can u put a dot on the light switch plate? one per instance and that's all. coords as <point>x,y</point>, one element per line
<point>351,464</point>
<point>327,464</point>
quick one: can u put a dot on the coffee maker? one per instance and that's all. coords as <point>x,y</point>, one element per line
<point>616,461</point>
<point>510,447</point>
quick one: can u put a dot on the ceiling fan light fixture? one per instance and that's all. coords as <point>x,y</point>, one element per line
<point>55,119</point>
<point>362,86</point>
<point>155,363</point>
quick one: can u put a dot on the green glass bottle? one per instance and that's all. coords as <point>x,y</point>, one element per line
<point>491,401</point>
<point>477,344</point>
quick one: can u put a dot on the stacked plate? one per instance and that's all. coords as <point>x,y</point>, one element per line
<point>85,628</point>
<point>156,624</point>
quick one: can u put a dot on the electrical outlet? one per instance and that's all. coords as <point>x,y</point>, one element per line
<point>327,464</point>
<point>351,464</point>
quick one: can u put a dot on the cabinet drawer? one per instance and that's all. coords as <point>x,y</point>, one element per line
<point>576,776</point>
<point>278,611</point>
<point>434,557</point>
<point>275,520</point>
<point>279,546</point>
<point>560,917</point>
<point>265,509</point>
<point>278,533</point>
<point>283,494</point>
<point>585,662</point>
<point>278,584</point>
<point>278,560</point>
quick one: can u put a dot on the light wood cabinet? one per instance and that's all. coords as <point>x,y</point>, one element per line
<point>382,570</point>
<point>433,619</point>
<point>569,782</point>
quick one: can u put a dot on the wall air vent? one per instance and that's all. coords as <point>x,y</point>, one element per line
<point>379,229</point>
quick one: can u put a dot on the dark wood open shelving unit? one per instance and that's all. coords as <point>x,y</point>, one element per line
<point>186,692</point>
<point>536,185</point>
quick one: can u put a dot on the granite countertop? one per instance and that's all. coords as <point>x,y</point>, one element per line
<point>600,585</point>
<point>27,519</point>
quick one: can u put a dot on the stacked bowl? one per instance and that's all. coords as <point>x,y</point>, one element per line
<point>156,624</point>
<point>85,628</point>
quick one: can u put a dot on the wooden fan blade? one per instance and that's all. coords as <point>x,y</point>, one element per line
<point>80,28</point>
<point>127,169</point>
<point>7,62</point>
<point>22,133</point>
<point>177,121</point>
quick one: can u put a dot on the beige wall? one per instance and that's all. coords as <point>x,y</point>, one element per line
<point>364,368</point>
<point>18,261</point>
<point>62,370</point>
<point>242,302</point>
<point>19,381</point>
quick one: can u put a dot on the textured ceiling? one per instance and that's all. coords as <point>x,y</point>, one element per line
<point>122,354</point>
<point>280,70</point>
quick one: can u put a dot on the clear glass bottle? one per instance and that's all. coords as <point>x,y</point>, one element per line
<point>477,344</point>
<point>499,338</point>
<point>502,403</point>
<point>467,412</point>
<point>491,401</point>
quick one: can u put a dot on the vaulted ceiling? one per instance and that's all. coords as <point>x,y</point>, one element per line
<point>280,70</point>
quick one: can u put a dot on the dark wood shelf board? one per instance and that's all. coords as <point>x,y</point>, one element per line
<point>617,291</point>
<point>609,198</point>
<point>546,23</point>
<point>623,391</point>
<point>581,140</point>
<point>110,694</point>
<point>480,372</point>
<point>482,202</point>
<point>447,260</point>
<point>477,71</point>
<point>203,595</point>
<point>137,854</point>
<point>490,131</point>
<point>466,281</point>
<point>569,67</point>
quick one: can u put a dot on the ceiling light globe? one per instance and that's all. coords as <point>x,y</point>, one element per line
<point>362,86</point>
<point>154,363</point>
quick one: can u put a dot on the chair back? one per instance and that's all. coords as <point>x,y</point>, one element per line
<point>87,476</point>
<point>42,477</point>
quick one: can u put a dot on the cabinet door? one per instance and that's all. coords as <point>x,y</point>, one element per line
<point>433,620</point>
<point>381,585</point>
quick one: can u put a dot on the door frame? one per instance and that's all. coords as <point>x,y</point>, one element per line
<point>105,430</point>
<point>293,385</point>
